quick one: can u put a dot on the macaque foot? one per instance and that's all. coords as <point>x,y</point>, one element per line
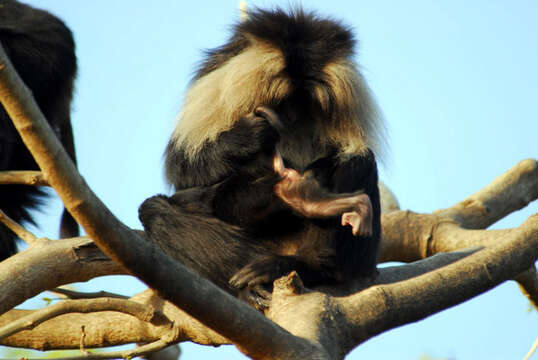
<point>256,296</point>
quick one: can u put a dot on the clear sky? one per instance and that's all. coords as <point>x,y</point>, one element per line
<point>457,82</point>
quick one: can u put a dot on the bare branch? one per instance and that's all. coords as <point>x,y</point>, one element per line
<point>141,312</point>
<point>532,350</point>
<point>70,260</point>
<point>63,332</point>
<point>511,191</point>
<point>393,274</point>
<point>528,283</point>
<point>425,234</point>
<point>404,302</point>
<point>20,231</point>
<point>410,237</point>
<point>125,354</point>
<point>301,314</point>
<point>110,328</point>
<point>32,178</point>
<point>70,294</point>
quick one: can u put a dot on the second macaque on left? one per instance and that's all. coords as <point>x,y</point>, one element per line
<point>42,50</point>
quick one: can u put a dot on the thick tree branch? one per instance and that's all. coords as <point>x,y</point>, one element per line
<point>105,328</point>
<point>511,191</point>
<point>424,234</point>
<point>409,237</point>
<point>399,303</point>
<point>59,262</point>
<point>141,312</point>
<point>299,314</point>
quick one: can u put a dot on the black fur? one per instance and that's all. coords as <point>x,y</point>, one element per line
<point>42,50</point>
<point>225,220</point>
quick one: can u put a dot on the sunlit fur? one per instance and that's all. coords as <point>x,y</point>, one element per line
<point>347,118</point>
<point>252,78</point>
<point>355,121</point>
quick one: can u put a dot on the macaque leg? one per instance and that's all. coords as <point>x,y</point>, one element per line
<point>306,196</point>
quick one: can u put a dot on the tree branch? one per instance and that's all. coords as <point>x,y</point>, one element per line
<point>60,262</point>
<point>509,192</point>
<point>404,302</point>
<point>102,329</point>
<point>70,294</point>
<point>141,312</point>
<point>528,283</point>
<point>410,237</point>
<point>21,232</point>
<point>32,178</point>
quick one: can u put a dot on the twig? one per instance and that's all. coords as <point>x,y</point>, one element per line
<point>127,354</point>
<point>68,260</point>
<point>532,350</point>
<point>33,178</point>
<point>20,231</point>
<point>71,294</point>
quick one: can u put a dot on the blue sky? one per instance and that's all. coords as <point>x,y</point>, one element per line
<point>457,82</point>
